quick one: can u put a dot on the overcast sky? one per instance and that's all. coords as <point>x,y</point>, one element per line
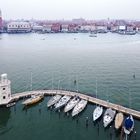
<point>69,9</point>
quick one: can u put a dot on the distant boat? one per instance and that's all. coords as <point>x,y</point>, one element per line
<point>79,107</point>
<point>34,99</point>
<point>71,104</point>
<point>128,125</point>
<point>108,116</point>
<point>92,35</point>
<point>134,76</point>
<point>75,82</point>
<point>119,120</point>
<point>53,100</point>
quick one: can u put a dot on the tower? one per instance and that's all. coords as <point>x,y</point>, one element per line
<point>0,21</point>
<point>5,90</point>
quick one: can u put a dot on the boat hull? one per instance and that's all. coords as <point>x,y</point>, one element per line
<point>71,104</point>
<point>79,107</point>
<point>62,102</point>
<point>119,120</point>
<point>97,113</point>
<point>108,117</point>
<point>53,100</point>
<point>128,130</point>
<point>32,101</point>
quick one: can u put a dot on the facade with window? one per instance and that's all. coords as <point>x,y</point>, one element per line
<point>18,27</point>
<point>5,90</point>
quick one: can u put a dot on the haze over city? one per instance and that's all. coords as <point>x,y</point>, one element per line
<point>62,9</point>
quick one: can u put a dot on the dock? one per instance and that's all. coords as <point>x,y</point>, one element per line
<point>119,108</point>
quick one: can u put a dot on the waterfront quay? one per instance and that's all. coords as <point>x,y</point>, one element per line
<point>93,100</point>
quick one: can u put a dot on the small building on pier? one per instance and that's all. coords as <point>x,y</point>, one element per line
<point>5,90</point>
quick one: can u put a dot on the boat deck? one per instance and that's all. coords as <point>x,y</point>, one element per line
<point>90,99</point>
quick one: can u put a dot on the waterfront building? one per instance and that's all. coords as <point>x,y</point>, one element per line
<point>122,27</point>
<point>101,28</point>
<point>130,28</point>
<point>113,28</point>
<point>88,28</point>
<point>5,90</point>
<point>64,28</point>
<point>0,21</point>
<point>37,28</point>
<point>73,28</point>
<point>85,28</point>
<point>47,28</point>
<point>18,27</point>
<point>56,27</point>
<point>138,28</point>
<point>93,28</point>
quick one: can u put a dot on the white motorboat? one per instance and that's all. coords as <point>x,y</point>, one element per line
<point>97,112</point>
<point>62,101</point>
<point>72,103</point>
<point>128,125</point>
<point>53,100</point>
<point>79,107</point>
<point>108,116</point>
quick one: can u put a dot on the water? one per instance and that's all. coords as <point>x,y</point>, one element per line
<point>112,59</point>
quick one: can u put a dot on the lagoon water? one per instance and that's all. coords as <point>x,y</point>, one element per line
<point>112,59</point>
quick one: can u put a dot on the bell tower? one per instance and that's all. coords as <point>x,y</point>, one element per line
<point>0,21</point>
<point>5,90</point>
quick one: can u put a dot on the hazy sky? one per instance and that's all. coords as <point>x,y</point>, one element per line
<point>68,9</point>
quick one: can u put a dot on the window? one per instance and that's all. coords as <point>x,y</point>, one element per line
<point>3,88</point>
<point>3,97</point>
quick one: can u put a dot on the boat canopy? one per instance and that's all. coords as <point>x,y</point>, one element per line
<point>128,123</point>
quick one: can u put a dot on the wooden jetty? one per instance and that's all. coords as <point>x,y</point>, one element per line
<point>90,99</point>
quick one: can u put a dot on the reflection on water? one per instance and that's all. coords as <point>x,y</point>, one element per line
<point>4,117</point>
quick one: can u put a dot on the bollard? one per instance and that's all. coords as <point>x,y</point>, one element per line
<point>86,122</point>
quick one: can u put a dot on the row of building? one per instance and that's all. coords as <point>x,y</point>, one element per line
<point>15,27</point>
<point>76,25</point>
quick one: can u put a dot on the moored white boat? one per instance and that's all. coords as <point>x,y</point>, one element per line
<point>71,104</point>
<point>128,125</point>
<point>53,100</point>
<point>97,112</point>
<point>79,107</point>
<point>34,99</point>
<point>119,120</point>
<point>62,101</point>
<point>108,116</point>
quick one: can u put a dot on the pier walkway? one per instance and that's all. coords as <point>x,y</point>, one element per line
<point>90,99</point>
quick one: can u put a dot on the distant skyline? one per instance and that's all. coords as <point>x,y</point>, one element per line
<point>70,9</point>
